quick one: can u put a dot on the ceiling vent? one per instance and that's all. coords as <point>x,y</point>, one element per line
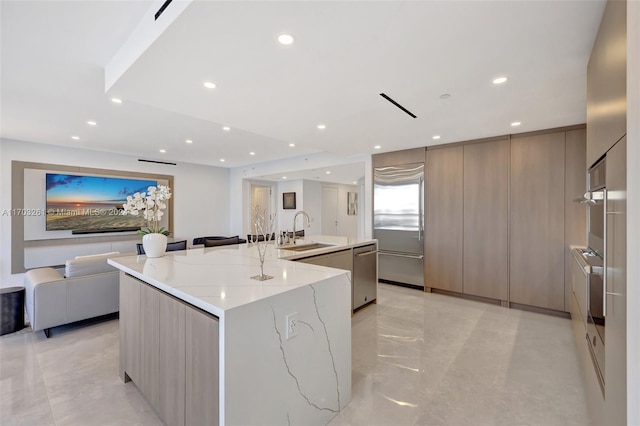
<point>157,162</point>
<point>162,8</point>
<point>398,105</point>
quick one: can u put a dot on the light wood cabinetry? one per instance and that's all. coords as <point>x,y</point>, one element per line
<point>170,350</point>
<point>486,215</point>
<point>537,246</point>
<point>150,345</point>
<point>172,380</point>
<point>443,218</point>
<point>606,83</point>
<point>616,286</point>
<point>129,329</point>
<point>202,359</point>
<point>575,185</point>
<point>578,310</point>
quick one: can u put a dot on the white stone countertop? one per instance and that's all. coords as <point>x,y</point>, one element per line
<point>218,279</point>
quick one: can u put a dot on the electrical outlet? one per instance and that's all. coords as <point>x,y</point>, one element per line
<point>292,325</point>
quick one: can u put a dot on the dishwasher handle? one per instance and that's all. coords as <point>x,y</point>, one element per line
<point>410,256</point>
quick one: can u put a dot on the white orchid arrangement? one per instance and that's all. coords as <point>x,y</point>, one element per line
<point>151,204</point>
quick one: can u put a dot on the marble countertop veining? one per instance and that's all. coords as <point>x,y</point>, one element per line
<point>218,279</point>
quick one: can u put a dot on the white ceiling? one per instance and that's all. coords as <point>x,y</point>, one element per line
<point>53,55</point>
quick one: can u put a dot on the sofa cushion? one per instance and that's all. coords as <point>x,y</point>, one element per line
<point>89,265</point>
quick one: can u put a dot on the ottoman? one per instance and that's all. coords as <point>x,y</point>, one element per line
<point>11,309</point>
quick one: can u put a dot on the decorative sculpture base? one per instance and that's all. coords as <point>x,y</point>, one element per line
<point>261,277</point>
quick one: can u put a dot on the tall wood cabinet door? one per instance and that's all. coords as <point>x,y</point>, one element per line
<point>149,344</point>
<point>172,361</point>
<point>575,214</point>
<point>129,328</point>
<point>607,82</point>
<point>486,214</point>
<point>537,276</point>
<point>202,384</point>
<point>616,316</point>
<point>443,218</point>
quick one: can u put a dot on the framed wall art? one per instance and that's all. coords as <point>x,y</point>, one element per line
<point>289,200</point>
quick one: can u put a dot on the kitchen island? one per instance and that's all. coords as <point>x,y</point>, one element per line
<point>206,344</point>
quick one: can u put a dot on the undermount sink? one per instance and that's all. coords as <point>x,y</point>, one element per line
<point>303,246</point>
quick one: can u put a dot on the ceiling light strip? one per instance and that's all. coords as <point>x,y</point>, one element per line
<point>398,105</point>
<point>157,162</point>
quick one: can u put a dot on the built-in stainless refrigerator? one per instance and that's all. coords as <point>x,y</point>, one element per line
<point>398,223</point>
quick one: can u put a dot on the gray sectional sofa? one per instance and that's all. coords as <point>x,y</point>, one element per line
<point>89,288</point>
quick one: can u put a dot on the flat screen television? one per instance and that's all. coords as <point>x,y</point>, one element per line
<point>91,204</point>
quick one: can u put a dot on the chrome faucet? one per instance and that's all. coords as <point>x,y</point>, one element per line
<point>301,212</point>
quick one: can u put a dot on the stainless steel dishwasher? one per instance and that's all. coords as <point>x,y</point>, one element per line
<point>365,275</point>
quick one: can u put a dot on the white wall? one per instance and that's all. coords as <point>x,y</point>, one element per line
<point>201,193</point>
<point>285,217</point>
<point>313,205</point>
<point>239,188</point>
<point>633,212</point>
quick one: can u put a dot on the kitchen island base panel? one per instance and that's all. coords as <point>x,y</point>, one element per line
<point>243,359</point>
<point>302,380</point>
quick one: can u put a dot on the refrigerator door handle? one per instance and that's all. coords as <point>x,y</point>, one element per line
<point>420,208</point>
<point>410,256</point>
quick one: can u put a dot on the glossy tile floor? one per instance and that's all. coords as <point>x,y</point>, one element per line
<point>418,358</point>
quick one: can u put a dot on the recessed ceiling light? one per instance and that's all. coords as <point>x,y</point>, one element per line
<point>445,96</point>
<point>292,145</point>
<point>75,138</point>
<point>209,85</point>
<point>222,160</point>
<point>377,147</point>
<point>252,153</point>
<point>355,182</point>
<point>226,128</point>
<point>500,80</point>
<point>163,151</point>
<point>189,141</point>
<point>285,39</point>
<point>435,137</point>
<point>322,126</point>
<point>328,172</point>
<point>116,100</point>
<point>515,124</point>
<point>284,177</point>
<point>91,123</point>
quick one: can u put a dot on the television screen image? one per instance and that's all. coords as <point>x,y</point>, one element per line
<point>88,204</point>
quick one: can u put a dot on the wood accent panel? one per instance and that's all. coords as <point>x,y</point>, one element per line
<point>202,384</point>
<point>149,382</point>
<point>17,202</point>
<point>443,219</point>
<point>615,370</point>
<point>537,245</point>
<point>606,83</point>
<point>129,324</point>
<point>171,398</point>
<point>575,214</point>
<point>407,156</point>
<point>486,215</point>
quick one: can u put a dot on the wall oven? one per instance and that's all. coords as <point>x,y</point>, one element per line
<point>596,200</point>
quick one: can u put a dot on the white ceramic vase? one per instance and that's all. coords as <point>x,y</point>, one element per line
<point>155,245</point>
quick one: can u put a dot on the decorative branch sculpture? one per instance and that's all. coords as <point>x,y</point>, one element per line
<point>265,227</point>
